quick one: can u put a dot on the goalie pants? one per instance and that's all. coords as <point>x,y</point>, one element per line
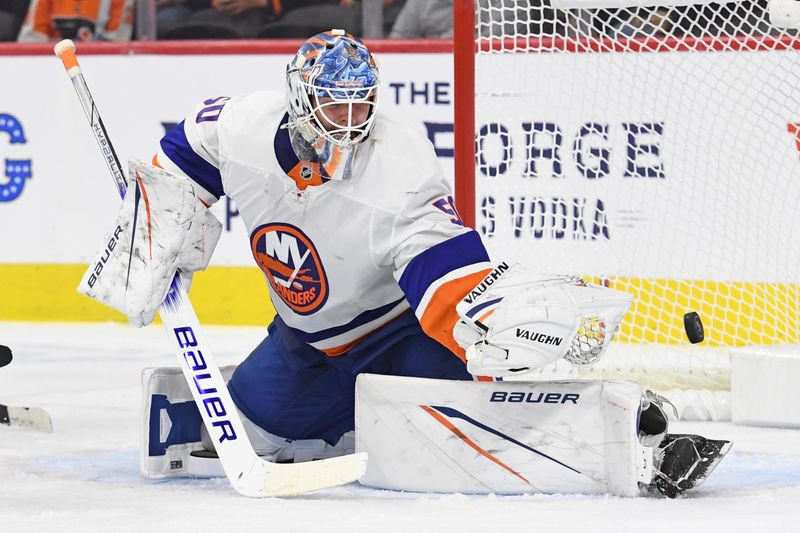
<point>293,390</point>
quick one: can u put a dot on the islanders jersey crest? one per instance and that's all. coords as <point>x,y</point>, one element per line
<point>292,265</point>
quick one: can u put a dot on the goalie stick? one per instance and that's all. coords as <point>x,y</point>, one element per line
<point>249,474</point>
<point>26,417</point>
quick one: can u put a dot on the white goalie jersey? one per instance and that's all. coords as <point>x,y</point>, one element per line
<point>342,257</point>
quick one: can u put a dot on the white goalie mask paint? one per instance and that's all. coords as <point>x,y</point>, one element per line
<point>331,92</point>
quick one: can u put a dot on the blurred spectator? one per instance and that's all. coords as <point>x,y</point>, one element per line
<point>248,19</point>
<point>300,18</point>
<point>172,13</point>
<point>497,18</point>
<point>84,20</point>
<point>269,19</point>
<point>12,13</point>
<point>424,18</point>
<point>213,19</point>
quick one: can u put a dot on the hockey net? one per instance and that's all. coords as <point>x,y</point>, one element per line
<point>652,149</point>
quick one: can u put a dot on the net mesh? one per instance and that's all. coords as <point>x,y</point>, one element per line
<point>654,150</point>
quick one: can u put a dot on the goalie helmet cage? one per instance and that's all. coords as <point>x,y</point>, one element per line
<point>652,149</point>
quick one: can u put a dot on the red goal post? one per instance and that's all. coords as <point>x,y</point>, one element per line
<point>467,44</point>
<point>655,149</point>
<point>464,108</point>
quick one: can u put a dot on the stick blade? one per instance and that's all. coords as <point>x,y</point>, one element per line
<point>29,417</point>
<point>299,478</point>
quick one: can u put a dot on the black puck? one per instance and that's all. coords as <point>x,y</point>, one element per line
<point>5,355</point>
<point>694,327</point>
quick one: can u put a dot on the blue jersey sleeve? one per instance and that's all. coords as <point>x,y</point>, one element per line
<point>192,148</point>
<point>175,145</point>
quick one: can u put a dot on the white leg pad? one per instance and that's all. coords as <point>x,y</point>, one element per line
<point>433,435</point>
<point>171,424</point>
<point>172,430</point>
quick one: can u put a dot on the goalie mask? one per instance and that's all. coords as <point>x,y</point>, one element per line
<point>331,92</point>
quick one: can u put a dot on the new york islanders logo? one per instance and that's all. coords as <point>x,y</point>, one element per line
<point>292,265</point>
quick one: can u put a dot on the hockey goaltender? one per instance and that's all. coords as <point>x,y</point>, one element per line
<point>395,333</point>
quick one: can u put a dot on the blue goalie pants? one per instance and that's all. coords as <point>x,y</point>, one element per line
<point>295,391</point>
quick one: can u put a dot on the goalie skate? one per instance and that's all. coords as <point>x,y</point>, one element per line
<point>685,461</point>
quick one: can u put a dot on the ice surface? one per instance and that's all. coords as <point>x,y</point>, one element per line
<point>84,476</point>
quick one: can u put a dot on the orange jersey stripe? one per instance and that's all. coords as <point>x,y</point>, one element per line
<point>343,349</point>
<point>336,351</point>
<point>440,316</point>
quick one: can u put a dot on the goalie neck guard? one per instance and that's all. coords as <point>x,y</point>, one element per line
<point>331,93</point>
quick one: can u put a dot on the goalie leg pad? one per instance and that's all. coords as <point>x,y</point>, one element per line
<point>175,443</point>
<point>171,424</point>
<point>500,437</point>
<point>278,449</point>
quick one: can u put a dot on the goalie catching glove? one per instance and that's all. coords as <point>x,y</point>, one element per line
<point>161,228</point>
<point>515,321</point>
